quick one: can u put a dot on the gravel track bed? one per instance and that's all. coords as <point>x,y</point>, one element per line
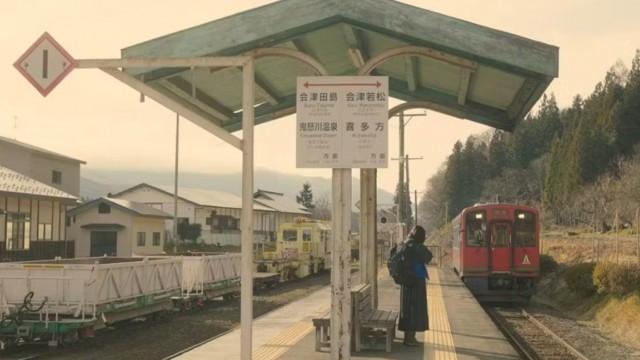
<point>542,345</point>
<point>582,336</point>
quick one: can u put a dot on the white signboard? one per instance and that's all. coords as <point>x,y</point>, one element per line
<point>45,64</point>
<point>342,122</point>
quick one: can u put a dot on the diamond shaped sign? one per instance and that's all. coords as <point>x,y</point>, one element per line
<point>45,64</point>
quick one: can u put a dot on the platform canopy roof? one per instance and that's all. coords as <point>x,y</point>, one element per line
<point>465,70</point>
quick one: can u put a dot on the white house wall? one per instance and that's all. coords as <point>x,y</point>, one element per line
<point>40,167</point>
<point>82,236</point>
<point>148,226</point>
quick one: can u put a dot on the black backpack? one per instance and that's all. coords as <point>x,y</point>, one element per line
<point>398,266</point>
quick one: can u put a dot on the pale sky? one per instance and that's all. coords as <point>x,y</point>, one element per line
<point>93,117</point>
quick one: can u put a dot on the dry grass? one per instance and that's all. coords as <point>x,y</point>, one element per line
<point>615,317</point>
<point>589,247</point>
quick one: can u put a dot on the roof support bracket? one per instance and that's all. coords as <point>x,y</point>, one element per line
<point>411,66</point>
<point>383,57</point>
<point>357,52</point>
<point>463,88</point>
<point>174,106</point>
<point>264,91</point>
<point>174,86</point>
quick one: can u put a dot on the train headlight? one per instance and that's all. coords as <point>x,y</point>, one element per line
<point>479,216</point>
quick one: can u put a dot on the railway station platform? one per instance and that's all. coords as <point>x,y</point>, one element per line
<point>460,329</point>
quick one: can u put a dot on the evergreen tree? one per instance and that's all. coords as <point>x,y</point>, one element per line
<point>305,196</point>
<point>454,179</point>
<point>405,210</point>
<point>499,155</point>
<point>628,114</point>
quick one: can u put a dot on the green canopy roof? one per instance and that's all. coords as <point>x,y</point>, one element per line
<point>473,72</point>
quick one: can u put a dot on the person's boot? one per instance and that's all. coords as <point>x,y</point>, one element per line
<point>410,339</point>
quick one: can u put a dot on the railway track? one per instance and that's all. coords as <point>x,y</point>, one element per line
<point>531,338</point>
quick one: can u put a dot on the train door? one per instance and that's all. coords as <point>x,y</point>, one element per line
<point>500,247</point>
<point>475,256</point>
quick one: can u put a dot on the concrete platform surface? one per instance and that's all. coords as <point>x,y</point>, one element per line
<point>459,328</point>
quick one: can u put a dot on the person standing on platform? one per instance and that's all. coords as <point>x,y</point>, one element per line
<point>413,294</point>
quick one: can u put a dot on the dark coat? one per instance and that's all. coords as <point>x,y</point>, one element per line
<point>413,297</point>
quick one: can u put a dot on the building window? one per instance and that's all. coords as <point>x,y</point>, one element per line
<point>221,223</point>
<point>56,177</point>
<point>104,209</point>
<point>142,239</point>
<point>18,231</point>
<point>156,239</point>
<point>45,232</point>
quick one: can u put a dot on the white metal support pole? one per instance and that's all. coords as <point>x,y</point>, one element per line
<point>246,223</point>
<point>368,231</point>
<point>175,188</point>
<point>364,227</point>
<point>341,266</point>
<point>401,168</point>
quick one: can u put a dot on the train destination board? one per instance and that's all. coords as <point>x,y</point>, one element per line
<point>342,122</point>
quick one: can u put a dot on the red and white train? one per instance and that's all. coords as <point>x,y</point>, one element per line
<point>496,250</point>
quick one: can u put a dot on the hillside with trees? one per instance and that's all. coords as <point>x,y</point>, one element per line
<point>579,164</point>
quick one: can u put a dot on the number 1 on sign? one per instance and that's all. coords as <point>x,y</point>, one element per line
<point>45,64</point>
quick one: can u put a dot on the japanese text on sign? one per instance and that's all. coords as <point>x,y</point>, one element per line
<point>342,122</point>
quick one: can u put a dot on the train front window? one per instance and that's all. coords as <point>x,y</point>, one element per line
<point>290,235</point>
<point>524,229</point>
<point>306,235</point>
<point>500,235</point>
<point>477,229</point>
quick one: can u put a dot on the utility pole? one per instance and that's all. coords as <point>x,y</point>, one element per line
<point>617,226</point>
<point>175,188</point>
<point>638,234</point>
<point>401,124</point>
<point>404,186</point>
<point>401,157</point>
<point>15,127</point>
<point>446,212</point>
<point>415,205</point>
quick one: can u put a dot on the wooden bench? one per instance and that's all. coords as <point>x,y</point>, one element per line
<point>364,318</point>
<point>322,331</point>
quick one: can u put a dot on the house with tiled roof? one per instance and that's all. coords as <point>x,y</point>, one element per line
<point>32,218</point>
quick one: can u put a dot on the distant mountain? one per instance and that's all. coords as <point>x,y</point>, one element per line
<point>95,183</point>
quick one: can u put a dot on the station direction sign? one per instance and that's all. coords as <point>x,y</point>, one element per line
<point>45,64</point>
<point>342,122</point>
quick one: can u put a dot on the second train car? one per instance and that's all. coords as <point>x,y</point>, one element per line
<point>496,250</point>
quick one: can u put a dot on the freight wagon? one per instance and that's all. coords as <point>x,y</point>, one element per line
<point>60,300</point>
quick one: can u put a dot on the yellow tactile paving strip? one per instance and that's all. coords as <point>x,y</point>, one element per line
<point>438,340</point>
<point>281,343</point>
<point>439,337</point>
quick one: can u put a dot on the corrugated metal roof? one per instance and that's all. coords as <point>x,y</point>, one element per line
<point>200,197</point>
<point>40,150</point>
<point>473,72</point>
<point>279,202</point>
<point>131,206</point>
<point>139,208</point>
<point>16,183</point>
